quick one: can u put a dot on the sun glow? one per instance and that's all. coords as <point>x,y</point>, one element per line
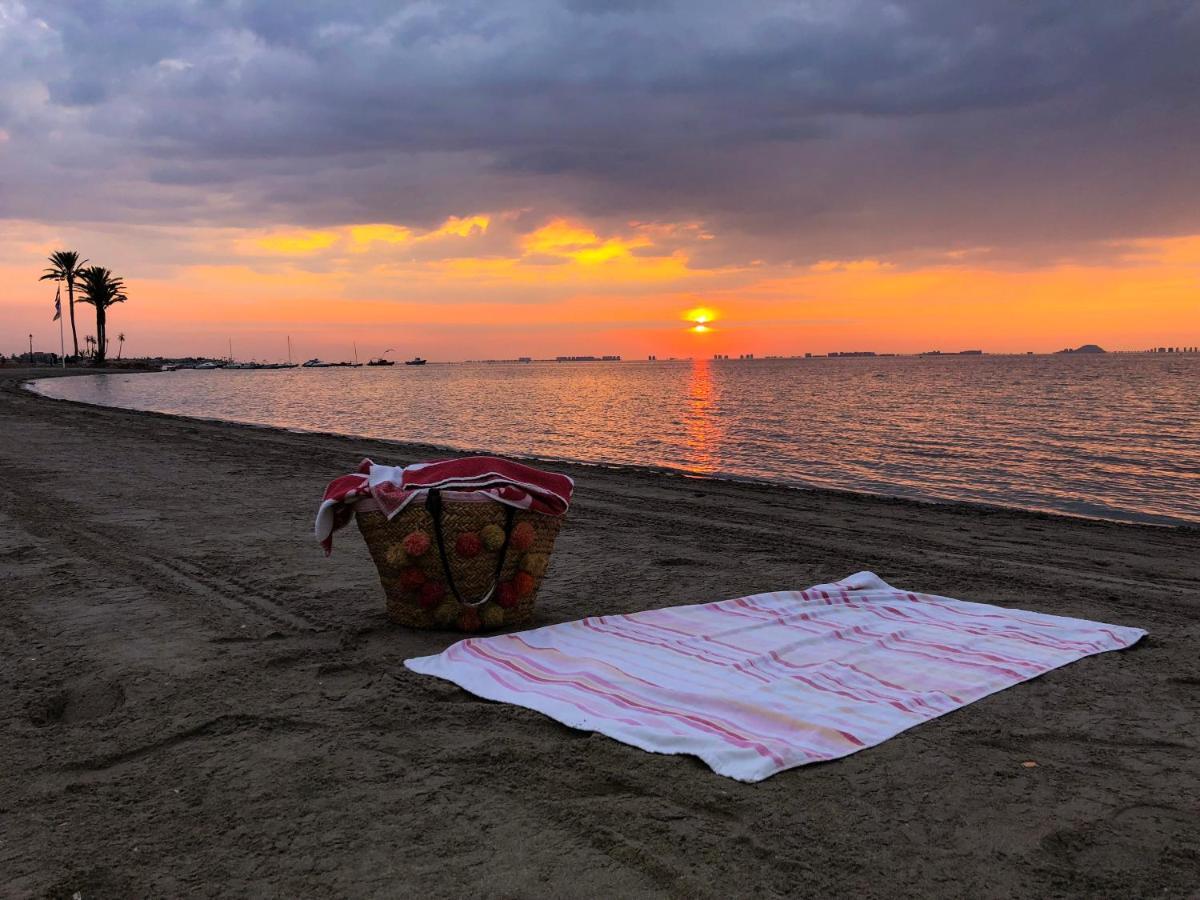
<point>702,316</point>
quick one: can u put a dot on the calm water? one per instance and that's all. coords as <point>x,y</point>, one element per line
<point>1114,436</point>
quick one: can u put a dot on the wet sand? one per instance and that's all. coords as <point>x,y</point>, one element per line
<point>199,702</point>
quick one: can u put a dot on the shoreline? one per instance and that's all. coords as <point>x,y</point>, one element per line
<point>429,449</point>
<point>201,703</point>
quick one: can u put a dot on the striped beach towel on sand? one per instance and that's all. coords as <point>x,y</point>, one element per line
<point>760,684</point>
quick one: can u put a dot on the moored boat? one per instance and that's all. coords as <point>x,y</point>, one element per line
<point>416,361</point>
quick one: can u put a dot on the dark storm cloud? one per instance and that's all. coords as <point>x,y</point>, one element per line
<point>796,130</point>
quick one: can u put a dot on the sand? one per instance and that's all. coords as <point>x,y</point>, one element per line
<point>199,702</point>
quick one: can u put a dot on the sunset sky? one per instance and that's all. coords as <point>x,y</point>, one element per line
<point>501,179</point>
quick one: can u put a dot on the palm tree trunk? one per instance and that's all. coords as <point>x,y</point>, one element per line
<point>100,341</point>
<point>71,304</point>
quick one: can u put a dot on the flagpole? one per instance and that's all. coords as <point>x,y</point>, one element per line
<point>62,347</point>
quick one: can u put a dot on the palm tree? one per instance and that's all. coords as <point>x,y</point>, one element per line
<point>99,287</point>
<point>65,265</point>
<point>120,343</point>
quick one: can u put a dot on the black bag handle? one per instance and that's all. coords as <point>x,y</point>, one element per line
<point>433,503</point>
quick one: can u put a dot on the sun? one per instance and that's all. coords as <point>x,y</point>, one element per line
<point>702,316</point>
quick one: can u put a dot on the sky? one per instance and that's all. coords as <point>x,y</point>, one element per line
<point>501,179</point>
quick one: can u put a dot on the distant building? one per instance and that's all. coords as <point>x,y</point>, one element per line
<point>851,353</point>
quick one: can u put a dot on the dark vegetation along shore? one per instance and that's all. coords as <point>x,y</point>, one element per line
<point>198,702</point>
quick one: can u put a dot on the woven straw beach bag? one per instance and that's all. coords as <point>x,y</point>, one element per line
<point>469,565</point>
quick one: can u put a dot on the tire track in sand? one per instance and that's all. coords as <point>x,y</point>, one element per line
<point>61,522</point>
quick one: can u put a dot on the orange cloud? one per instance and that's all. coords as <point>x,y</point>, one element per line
<point>296,243</point>
<point>363,236</point>
<point>464,227</point>
<point>566,240</point>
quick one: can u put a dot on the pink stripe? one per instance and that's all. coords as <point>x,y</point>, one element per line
<point>665,645</point>
<point>697,722</point>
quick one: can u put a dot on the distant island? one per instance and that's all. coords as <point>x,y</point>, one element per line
<point>1086,348</point>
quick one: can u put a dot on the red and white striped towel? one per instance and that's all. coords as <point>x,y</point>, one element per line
<point>473,477</point>
<point>761,684</point>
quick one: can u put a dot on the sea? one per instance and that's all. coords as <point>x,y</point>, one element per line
<point>1114,436</point>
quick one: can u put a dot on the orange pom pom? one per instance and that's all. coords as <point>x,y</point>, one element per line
<point>524,584</point>
<point>522,537</point>
<point>506,595</point>
<point>412,577</point>
<point>468,620</point>
<point>468,545</point>
<point>432,593</point>
<point>416,543</point>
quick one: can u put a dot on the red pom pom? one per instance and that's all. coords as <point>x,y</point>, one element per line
<point>468,544</point>
<point>416,543</point>
<point>468,620</point>
<point>412,577</point>
<point>524,584</point>
<point>522,537</point>
<point>432,593</point>
<point>506,595</point>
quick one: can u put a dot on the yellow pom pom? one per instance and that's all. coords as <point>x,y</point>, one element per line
<point>446,613</point>
<point>396,557</point>
<point>491,615</point>
<point>492,537</point>
<point>535,564</point>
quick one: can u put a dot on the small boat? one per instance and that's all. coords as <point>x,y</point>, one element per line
<point>210,365</point>
<point>415,361</point>
<point>315,363</point>
<point>170,367</point>
<point>381,362</point>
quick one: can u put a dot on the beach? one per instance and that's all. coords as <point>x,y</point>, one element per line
<point>199,702</point>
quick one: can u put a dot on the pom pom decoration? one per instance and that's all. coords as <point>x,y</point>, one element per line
<point>432,593</point>
<point>396,557</point>
<point>522,537</point>
<point>491,615</point>
<point>468,545</point>
<point>446,613</point>
<point>468,620</point>
<point>416,543</point>
<point>493,537</point>
<point>524,584</point>
<point>506,595</point>
<point>535,564</point>
<point>412,577</point>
